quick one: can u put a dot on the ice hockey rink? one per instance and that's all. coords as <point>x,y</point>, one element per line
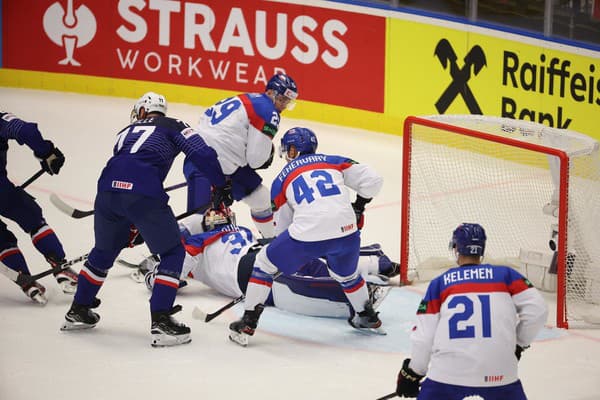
<point>290,356</point>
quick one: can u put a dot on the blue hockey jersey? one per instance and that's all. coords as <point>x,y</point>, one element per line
<point>144,154</point>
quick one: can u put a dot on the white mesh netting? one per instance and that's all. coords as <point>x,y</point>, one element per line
<point>513,193</point>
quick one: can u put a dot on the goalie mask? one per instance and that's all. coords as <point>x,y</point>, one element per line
<point>296,142</point>
<point>150,102</point>
<point>217,218</point>
<point>468,240</point>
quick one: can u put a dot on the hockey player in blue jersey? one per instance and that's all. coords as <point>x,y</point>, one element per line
<point>17,205</point>
<point>130,193</point>
<point>472,326</point>
<point>314,218</point>
<point>241,129</point>
<point>221,255</point>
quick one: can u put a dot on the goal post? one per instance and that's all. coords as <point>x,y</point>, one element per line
<point>535,189</point>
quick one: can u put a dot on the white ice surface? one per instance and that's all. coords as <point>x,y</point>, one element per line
<point>289,357</point>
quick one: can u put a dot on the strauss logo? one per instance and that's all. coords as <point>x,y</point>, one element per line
<point>70,29</point>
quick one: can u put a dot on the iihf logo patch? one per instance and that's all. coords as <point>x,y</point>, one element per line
<point>122,185</point>
<point>186,133</point>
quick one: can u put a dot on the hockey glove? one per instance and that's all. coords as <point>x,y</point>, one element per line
<point>222,195</point>
<point>134,237</point>
<point>359,209</point>
<point>519,350</point>
<point>52,161</point>
<point>408,381</point>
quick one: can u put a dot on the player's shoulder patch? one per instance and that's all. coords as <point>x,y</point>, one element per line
<point>270,130</point>
<point>187,132</point>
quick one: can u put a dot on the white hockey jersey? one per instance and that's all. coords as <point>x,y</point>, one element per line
<point>469,323</point>
<point>311,196</point>
<point>212,257</point>
<point>241,129</point>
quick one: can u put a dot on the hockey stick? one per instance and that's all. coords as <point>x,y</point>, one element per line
<point>201,315</point>
<point>33,178</point>
<point>75,213</point>
<point>22,280</point>
<point>388,396</point>
<point>186,214</point>
<point>67,209</point>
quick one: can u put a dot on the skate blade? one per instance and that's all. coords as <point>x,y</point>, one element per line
<point>40,299</point>
<point>161,340</point>
<point>371,331</point>
<point>239,338</point>
<point>75,326</point>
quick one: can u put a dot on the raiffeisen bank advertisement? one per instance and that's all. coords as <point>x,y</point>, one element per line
<point>454,71</point>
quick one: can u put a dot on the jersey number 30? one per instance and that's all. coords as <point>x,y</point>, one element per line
<point>323,182</point>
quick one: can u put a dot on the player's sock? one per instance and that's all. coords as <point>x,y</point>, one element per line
<point>264,223</point>
<point>13,259</point>
<point>46,242</point>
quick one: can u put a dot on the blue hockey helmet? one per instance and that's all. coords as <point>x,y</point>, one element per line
<point>303,139</point>
<point>285,91</point>
<point>469,240</point>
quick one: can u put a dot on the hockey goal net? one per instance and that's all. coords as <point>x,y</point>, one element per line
<point>535,189</point>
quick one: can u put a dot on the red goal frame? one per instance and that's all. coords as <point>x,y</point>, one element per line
<point>561,306</point>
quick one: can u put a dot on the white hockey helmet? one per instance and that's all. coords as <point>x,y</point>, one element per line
<point>151,102</point>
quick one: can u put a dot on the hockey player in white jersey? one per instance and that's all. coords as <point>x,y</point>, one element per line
<point>472,326</point>
<point>314,217</point>
<point>241,130</point>
<point>221,255</point>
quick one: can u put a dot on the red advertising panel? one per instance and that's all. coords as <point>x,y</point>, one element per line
<point>336,57</point>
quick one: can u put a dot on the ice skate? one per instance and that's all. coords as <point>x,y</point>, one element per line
<point>67,280</point>
<point>81,317</point>
<point>241,330</point>
<point>367,321</point>
<point>166,331</point>
<point>36,292</point>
